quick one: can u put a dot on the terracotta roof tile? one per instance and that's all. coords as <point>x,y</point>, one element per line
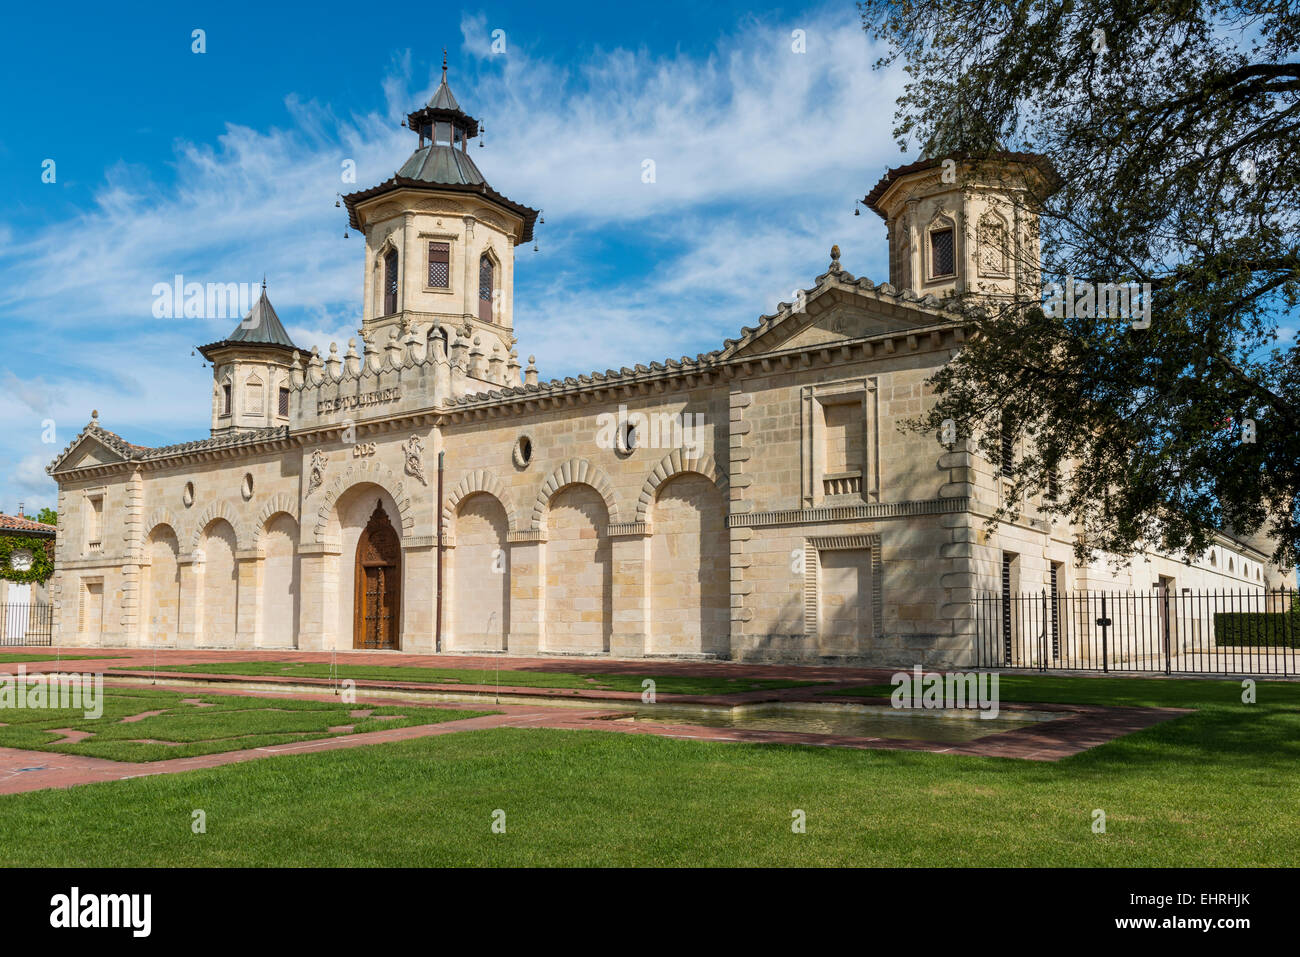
<point>16,523</point>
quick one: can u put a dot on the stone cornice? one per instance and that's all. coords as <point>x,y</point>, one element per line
<point>847,513</point>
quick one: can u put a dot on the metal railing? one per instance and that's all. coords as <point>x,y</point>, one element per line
<point>1247,631</point>
<point>26,623</point>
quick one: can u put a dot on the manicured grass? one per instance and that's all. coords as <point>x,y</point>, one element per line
<point>1217,787</point>
<point>664,684</point>
<point>221,723</point>
<point>5,658</point>
<point>1116,692</point>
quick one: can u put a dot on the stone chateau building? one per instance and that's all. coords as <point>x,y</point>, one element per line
<point>422,490</point>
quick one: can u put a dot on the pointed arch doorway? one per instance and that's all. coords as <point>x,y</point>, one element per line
<point>378,586</point>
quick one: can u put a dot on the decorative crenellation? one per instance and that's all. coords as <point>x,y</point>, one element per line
<point>414,369</point>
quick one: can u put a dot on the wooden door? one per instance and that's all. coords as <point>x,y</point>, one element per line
<point>378,603</point>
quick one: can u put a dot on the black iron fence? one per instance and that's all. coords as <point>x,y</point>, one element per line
<point>1255,631</point>
<point>26,623</point>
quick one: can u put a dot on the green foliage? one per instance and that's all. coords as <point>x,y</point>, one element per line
<point>1172,128</point>
<point>42,558</point>
<point>1278,629</point>
<point>48,516</point>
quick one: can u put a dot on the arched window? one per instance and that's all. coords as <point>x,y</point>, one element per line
<point>943,248</point>
<point>225,397</point>
<point>390,282</point>
<point>486,282</point>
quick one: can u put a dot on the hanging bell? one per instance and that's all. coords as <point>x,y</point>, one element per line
<point>856,211</point>
<point>534,247</point>
<point>336,204</point>
<point>345,234</point>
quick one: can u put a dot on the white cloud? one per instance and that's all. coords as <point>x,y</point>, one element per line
<point>28,478</point>
<point>759,151</point>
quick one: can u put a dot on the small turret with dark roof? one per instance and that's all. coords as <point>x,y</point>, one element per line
<point>260,327</point>
<point>251,371</point>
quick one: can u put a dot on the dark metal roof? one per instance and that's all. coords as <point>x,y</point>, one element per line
<point>260,327</point>
<point>447,167</point>
<point>443,106</point>
<point>528,214</point>
<point>442,98</point>
<point>442,164</point>
<point>1030,159</point>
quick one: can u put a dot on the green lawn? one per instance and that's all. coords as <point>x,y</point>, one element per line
<point>5,658</point>
<point>221,723</point>
<point>664,684</point>
<point>1217,787</point>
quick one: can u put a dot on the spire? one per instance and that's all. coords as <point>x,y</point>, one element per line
<point>441,158</point>
<point>260,327</point>
<point>442,109</point>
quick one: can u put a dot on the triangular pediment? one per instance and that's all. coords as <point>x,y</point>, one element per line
<point>87,452</point>
<point>834,313</point>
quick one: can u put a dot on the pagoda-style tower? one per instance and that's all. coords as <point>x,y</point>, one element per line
<point>439,240</point>
<point>961,226</point>
<point>251,372</point>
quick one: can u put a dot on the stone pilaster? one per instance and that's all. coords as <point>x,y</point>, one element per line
<point>318,612</point>
<point>737,490</point>
<point>527,567</point>
<point>133,545</point>
<point>190,613</point>
<point>419,593</point>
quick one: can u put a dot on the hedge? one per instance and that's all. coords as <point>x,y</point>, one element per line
<point>1256,629</point>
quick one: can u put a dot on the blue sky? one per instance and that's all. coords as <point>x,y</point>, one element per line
<point>222,166</point>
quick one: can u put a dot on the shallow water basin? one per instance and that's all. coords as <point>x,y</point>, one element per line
<point>949,726</point>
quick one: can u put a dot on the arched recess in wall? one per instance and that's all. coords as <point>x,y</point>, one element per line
<point>675,463</point>
<point>479,480</point>
<point>574,471</point>
<point>281,605</point>
<point>220,584</point>
<point>254,395</point>
<point>578,570</point>
<point>690,570</point>
<point>993,242</point>
<point>478,574</point>
<point>161,591</point>
<point>214,511</point>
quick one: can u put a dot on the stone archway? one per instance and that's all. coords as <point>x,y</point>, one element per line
<point>377,602</point>
<point>477,576</point>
